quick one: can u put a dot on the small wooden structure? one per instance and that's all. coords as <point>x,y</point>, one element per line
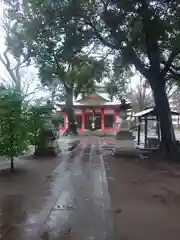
<point>146,115</point>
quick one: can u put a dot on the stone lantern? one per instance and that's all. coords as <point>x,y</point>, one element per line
<point>124,137</point>
<point>48,142</point>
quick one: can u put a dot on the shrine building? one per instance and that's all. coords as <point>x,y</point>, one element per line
<point>94,112</point>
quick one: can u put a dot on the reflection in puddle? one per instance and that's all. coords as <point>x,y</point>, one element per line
<point>46,236</point>
<point>12,215</point>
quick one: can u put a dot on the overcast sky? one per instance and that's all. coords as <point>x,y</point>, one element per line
<point>30,79</point>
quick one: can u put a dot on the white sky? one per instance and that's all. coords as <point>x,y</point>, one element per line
<point>30,79</point>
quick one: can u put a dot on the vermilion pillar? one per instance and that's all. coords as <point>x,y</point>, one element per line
<point>102,119</point>
<point>83,121</point>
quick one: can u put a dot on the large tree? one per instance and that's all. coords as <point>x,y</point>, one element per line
<point>59,49</point>
<point>142,33</point>
<point>145,33</point>
<point>77,74</point>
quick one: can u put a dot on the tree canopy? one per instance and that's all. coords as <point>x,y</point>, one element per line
<point>142,33</point>
<point>13,125</point>
<point>58,49</point>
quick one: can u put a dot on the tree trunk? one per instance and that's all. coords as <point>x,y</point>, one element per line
<point>35,135</point>
<point>72,128</point>
<point>12,164</point>
<point>168,140</point>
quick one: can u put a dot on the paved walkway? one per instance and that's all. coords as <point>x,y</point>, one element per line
<point>65,198</point>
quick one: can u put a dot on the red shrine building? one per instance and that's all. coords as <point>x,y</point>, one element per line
<point>94,112</point>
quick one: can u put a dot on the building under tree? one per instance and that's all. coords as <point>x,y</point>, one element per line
<point>94,112</point>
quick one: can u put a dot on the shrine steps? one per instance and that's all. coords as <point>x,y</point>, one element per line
<point>96,133</point>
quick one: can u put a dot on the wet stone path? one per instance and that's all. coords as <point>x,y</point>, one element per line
<point>76,204</point>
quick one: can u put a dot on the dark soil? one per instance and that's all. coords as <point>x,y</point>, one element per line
<point>145,199</point>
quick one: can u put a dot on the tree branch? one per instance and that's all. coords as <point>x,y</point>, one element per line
<point>7,65</point>
<point>17,72</point>
<point>168,64</point>
<point>126,50</point>
<point>59,68</point>
<point>174,74</point>
<point>2,60</point>
<point>100,37</point>
<point>150,37</point>
<point>7,59</point>
<point>175,68</point>
<point>35,91</point>
<point>105,3</point>
<point>137,62</point>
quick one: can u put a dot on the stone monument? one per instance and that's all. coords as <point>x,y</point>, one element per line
<point>124,137</point>
<point>48,142</point>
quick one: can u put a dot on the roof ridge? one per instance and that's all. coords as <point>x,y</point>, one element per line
<point>96,93</point>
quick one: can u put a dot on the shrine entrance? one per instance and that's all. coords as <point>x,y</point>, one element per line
<point>94,112</point>
<point>88,121</point>
<point>97,121</point>
<point>92,121</point>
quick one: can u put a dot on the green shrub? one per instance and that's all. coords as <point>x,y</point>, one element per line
<point>13,125</point>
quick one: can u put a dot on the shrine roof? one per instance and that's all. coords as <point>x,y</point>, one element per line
<point>96,99</point>
<point>150,112</point>
<point>114,103</point>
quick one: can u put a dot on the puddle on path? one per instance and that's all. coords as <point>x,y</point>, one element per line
<point>12,215</point>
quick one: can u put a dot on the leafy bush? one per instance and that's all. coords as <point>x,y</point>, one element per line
<point>35,124</point>
<point>13,125</point>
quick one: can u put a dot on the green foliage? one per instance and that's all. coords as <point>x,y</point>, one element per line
<point>142,33</point>
<point>57,118</point>
<point>139,32</point>
<point>111,89</point>
<point>58,44</point>
<point>118,79</point>
<point>118,89</point>
<point>76,74</point>
<point>13,125</point>
<point>55,43</point>
<point>20,124</point>
<point>35,124</point>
